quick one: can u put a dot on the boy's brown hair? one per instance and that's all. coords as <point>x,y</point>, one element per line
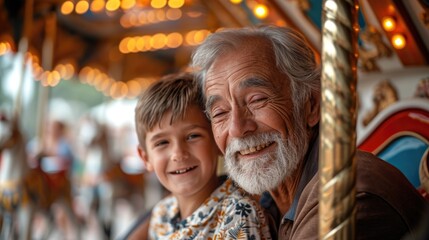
<point>174,92</point>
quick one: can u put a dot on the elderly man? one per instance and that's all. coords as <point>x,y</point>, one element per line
<point>262,94</point>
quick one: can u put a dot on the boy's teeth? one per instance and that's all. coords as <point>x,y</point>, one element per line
<point>254,149</point>
<point>183,170</point>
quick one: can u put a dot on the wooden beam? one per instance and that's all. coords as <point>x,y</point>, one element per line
<point>414,53</point>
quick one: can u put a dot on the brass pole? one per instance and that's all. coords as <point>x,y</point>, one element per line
<point>47,62</point>
<point>337,166</point>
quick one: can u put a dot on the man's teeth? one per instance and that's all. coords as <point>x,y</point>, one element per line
<point>184,170</point>
<point>254,149</point>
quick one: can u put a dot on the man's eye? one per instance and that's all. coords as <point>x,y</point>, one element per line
<point>258,99</point>
<point>217,113</point>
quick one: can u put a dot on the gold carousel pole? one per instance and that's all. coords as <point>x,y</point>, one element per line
<point>47,61</point>
<point>338,120</point>
<point>23,49</point>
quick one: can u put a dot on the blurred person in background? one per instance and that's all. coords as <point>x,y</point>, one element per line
<point>55,152</point>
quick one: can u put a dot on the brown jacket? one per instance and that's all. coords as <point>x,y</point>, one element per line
<point>388,206</point>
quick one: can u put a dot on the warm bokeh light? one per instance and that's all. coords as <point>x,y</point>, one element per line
<point>160,15</point>
<point>124,21</point>
<point>391,9</point>
<point>142,18</point>
<point>146,40</point>
<point>4,48</point>
<point>194,14</point>
<point>161,41</point>
<point>37,71</point>
<point>55,78</point>
<point>236,1</point>
<point>98,79</point>
<point>82,7</point>
<point>134,20</point>
<point>158,41</point>
<point>97,5</point>
<point>67,7</point>
<point>140,44</point>
<point>174,40</point>
<point>200,36</point>
<point>113,5</point>
<point>85,73</point>
<point>61,69</point>
<point>123,45</point>
<point>128,4</point>
<point>134,88</point>
<point>176,3</point>
<point>151,17</point>
<point>189,38</point>
<point>398,41</point>
<point>261,11</point>
<point>118,90</point>
<point>145,82</point>
<point>105,84</point>
<point>158,3</point>
<point>389,24</point>
<point>173,14</point>
<point>131,44</point>
<point>70,70</point>
<point>44,79</point>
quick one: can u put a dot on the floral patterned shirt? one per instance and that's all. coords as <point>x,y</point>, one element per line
<point>229,213</point>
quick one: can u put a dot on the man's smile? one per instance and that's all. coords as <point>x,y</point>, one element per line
<point>255,148</point>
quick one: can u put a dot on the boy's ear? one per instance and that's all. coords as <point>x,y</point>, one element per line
<point>313,108</point>
<point>143,156</point>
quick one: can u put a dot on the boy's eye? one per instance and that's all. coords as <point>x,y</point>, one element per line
<point>193,136</point>
<point>161,143</point>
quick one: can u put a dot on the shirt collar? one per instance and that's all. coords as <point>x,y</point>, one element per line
<point>309,171</point>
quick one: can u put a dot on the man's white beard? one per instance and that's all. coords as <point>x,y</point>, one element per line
<point>268,171</point>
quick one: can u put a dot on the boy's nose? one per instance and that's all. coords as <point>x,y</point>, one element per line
<point>179,153</point>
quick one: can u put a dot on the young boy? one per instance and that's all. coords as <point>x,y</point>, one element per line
<point>177,143</point>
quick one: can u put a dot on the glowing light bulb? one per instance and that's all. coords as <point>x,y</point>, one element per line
<point>81,7</point>
<point>261,11</point>
<point>176,3</point>
<point>67,7</point>
<point>398,41</point>
<point>389,24</point>
<point>97,5</point>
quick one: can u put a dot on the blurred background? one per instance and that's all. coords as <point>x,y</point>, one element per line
<point>71,70</point>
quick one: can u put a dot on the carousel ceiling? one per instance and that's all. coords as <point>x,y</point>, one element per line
<point>119,46</point>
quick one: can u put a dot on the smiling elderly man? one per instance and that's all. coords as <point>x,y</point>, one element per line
<point>262,93</point>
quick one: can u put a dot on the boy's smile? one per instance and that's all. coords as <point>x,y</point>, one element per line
<point>185,170</point>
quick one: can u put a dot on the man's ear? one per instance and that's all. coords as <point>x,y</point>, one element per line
<point>143,156</point>
<point>313,110</point>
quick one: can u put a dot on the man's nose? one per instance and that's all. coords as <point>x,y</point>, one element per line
<point>242,122</point>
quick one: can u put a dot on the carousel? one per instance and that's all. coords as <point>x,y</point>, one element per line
<point>71,71</point>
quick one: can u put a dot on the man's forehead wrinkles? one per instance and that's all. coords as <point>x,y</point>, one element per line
<point>254,82</point>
